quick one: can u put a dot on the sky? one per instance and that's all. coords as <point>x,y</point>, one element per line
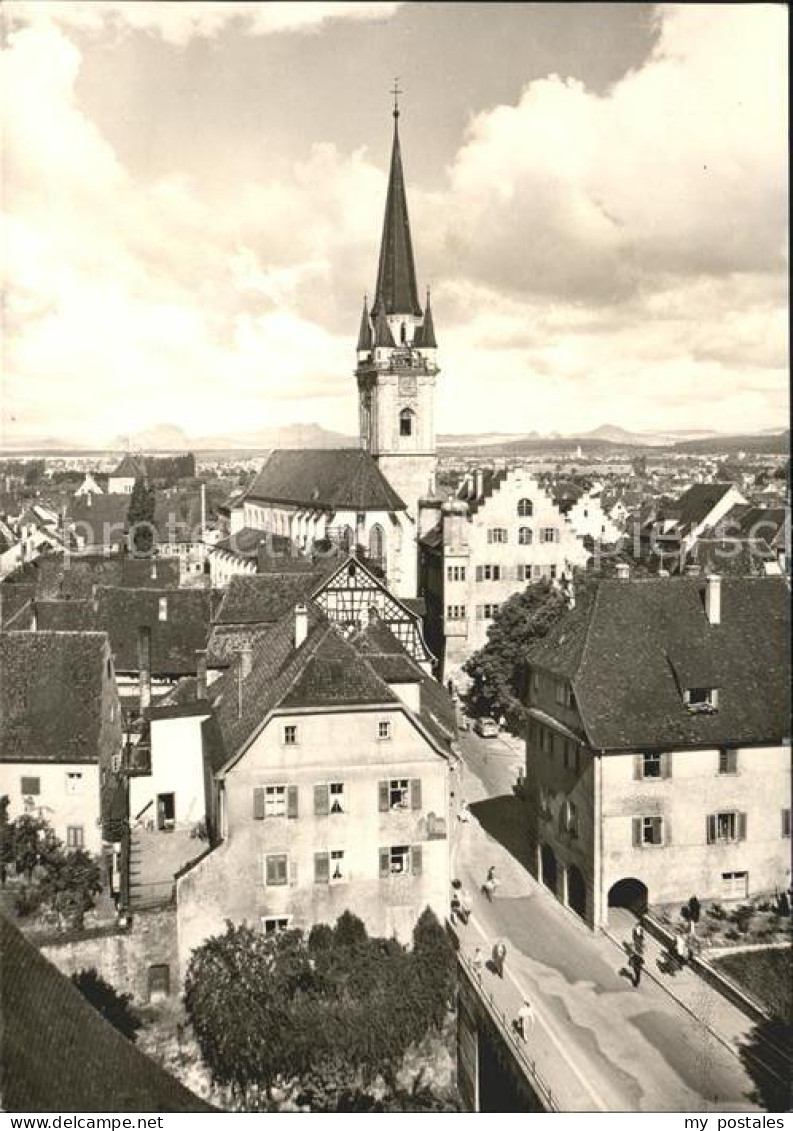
<point>193,196</point>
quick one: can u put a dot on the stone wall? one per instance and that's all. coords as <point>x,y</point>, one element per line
<point>123,958</point>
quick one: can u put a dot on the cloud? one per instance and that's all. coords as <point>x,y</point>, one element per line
<point>177,23</point>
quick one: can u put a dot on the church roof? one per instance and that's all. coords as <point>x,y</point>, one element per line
<point>425,335</point>
<point>396,272</point>
<point>130,468</point>
<point>325,480</point>
<point>365,336</point>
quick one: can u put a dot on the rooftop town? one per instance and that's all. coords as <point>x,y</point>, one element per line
<point>540,697</point>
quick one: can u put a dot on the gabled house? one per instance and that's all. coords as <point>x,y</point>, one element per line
<point>123,478</point>
<point>60,728</point>
<point>328,761</point>
<point>658,744</point>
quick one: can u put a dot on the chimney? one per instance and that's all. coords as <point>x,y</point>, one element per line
<point>34,616</point>
<point>94,599</point>
<point>144,666</point>
<point>479,482</point>
<point>623,571</point>
<point>201,673</point>
<point>88,498</point>
<point>301,624</point>
<point>154,570</point>
<point>713,598</point>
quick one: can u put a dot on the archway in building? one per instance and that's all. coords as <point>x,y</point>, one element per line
<point>549,870</point>
<point>629,893</point>
<point>576,891</point>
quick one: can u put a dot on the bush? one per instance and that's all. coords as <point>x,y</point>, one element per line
<point>732,934</point>
<point>717,912</point>
<point>28,901</point>
<point>112,1005</point>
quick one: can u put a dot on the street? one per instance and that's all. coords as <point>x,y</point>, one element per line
<point>600,1043</point>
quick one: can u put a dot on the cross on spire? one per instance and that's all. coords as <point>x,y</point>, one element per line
<point>396,93</point>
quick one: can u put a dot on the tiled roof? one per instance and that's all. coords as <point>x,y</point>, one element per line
<point>627,649</point>
<point>263,598</point>
<point>226,641</point>
<point>58,1052</point>
<point>14,599</point>
<point>733,557</point>
<point>322,480</point>
<point>130,467</point>
<point>121,612</point>
<point>51,696</point>
<point>337,675</point>
<point>694,506</point>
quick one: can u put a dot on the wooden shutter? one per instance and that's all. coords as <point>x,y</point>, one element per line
<point>711,823</point>
<point>741,823</point>
<point>415,793</point>
<point>785,822</point>
<point>732,760</point>
<point>321,868</point>
<point>415,859</point>
<point>258,804</point>
<point>638,766</point>
<point>479,572</point>
<point>666,764</point>
<point>385,863</point>
<point>322,800</point>
<point>291,801</point>
<point>31,786</point>
<point>637,831</point>
<point>666,830</point>
<point>383,797</point>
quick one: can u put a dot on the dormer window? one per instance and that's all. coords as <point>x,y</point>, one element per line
<point>704,699</point>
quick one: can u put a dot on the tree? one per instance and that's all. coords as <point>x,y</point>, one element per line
<point>497,671</point>
<point>434,960</point>
<point>105,999</point>
<point>140,517</point>
<point>691,913</point>
<point>34,844</point>
<point>70,883</point>
<point>6,840</point>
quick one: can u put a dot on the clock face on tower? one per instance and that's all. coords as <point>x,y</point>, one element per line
<point>407,385</point>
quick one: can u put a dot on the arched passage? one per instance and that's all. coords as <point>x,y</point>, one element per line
<point>630,893</point>
<point>576,891</point>
<point>549,870</point>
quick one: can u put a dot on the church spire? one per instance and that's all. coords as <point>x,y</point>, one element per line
<point>396,290</point>
<point>365,336</point>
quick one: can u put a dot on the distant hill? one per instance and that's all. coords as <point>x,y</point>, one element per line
<point>778,442</point>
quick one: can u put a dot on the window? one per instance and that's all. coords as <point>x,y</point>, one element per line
<point>455,612</point>
<point>290,735</point>
<point>276,870</point>
<point>384,729</point>
<point>488,573</point>
<point>525,536</point>
<point>489,611</point>
<point>725,828</point>
<point>399,793</point>
<point>329,867</point>
<point>570,818</point>
<point>74,782</point>
<point>786,822</point>
<point>400,860</point>
<point>523,573</point>
<point>74,836</point>
<point>274,801</point>
<point>648,831</point>
<point>274,924</point>
<point>525,508</point>
<point>728,760</point>
<point>159,982</point>
<point>455,573</point>
<point>406,422</point>
<point>496,535</point>
<point>651,765</point>
<point>30,786</point>
<point>704,699</point>
<point>563,694</point>
<point>549,534</point>
<point>735,885</point>
<point>115,763</point>
<point>162,608</point>
<point>553,571</point>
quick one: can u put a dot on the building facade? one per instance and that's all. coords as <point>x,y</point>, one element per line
<point>658,750</point>
<point>500,532</point>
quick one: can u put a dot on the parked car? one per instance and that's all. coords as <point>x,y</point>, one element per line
<point>486,728</point>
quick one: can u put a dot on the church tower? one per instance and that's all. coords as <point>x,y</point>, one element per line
<point>396,368</point>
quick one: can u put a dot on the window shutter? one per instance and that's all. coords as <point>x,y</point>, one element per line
<point>258,804</point>
<point>479,573</point>
<point>321,800</point>
<point>292,872</point>
<point>665,830</point>
<point>291,801</point>
<point>785,822</point>
<point>732,761</point>
<point>382,797</point>
<point>666,764</point>
<point>415,793</point>
<point>637,831</point>
<point>712,828</point>
<point>638,766</point>
<point>385,863</point>
<point>741,826</point>
<point>415,859</point>
<point>321,868</point>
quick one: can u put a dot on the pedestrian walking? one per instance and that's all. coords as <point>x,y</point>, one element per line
<point>478,963</point>
<point>681,950</point>
<point>524,1022</point>
<point>463,814</point>
<point>638,937</point>
<point>499,955</point>
<point>465,906</point>
<point>636,963</point>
